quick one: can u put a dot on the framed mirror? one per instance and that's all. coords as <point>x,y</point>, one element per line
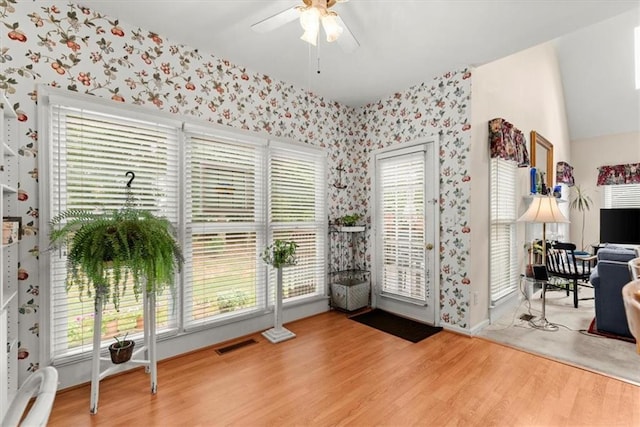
<point>542,157</point>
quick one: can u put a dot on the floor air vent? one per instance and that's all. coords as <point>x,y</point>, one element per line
<point>235,346</point>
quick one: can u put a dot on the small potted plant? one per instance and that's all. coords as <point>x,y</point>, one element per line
<point>121,350</point>
<point>534,249</point>
<point>280,254</point>
<point>350,220</point>
<point>349,223</point>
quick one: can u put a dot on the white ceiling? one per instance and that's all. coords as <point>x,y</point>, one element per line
<point>402,42</point>
<point>597,66</point>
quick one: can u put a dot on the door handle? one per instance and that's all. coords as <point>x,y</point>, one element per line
<point>428,246</point>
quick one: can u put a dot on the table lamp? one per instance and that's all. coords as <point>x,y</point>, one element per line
<point>543,209</point>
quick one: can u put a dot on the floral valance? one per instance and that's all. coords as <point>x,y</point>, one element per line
<point>619,174</point>
<point>507,142</point>
<point>564,174</point>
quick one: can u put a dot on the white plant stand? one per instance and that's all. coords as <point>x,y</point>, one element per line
<point>147,351</point>
<point>278,333</point>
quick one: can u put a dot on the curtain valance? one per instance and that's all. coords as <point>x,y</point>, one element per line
<point>564,174</point>
<point>507,142</point>
<point>619,174</point>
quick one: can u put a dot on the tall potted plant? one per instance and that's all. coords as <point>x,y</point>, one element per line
<point>108,250</point>
<point>582,203</point>
<point>279,255</point>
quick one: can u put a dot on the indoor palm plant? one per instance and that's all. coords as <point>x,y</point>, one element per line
<point>582,203</point>
<point>106,249</point>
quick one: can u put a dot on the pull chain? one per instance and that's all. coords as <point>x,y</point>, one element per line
<point>318,52</point>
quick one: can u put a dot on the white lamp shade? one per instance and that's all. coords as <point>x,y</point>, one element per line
<point>309,19</point>
<point>543,209</point>
<point>331,28</point>
<point>310,37</point>
<point>310,22</point>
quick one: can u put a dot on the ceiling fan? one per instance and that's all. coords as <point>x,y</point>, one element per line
<point>311,14</point>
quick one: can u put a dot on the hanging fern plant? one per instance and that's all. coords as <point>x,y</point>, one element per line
<point>105,250</point>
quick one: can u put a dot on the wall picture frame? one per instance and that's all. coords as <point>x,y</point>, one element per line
<point>542,157</point>
<point>13,223</point>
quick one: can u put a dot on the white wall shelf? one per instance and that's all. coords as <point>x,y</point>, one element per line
<point>8,259</point>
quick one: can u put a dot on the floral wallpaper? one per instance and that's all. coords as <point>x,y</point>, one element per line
<point>73,47</point>
<point>440,107</point>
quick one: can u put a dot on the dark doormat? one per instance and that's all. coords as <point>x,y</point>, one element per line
<point>402,327</point>
<point>593,330</point>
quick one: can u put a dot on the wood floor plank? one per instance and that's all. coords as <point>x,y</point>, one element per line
<point>340,372</point>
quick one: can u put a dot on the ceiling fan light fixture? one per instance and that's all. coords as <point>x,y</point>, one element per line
<point>331,27</point>
<point>314,12</point>
<point>310,37</point>
<point>310,22</point>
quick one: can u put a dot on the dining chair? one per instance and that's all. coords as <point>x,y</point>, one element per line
<point>563,262</point>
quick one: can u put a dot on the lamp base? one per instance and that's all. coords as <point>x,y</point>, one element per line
<point>544,325</point>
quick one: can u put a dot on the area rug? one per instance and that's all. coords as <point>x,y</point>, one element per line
<point>571,343</point>
<point>402,327</point>
<point>594,330</point>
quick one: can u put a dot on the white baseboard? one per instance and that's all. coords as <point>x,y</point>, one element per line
<point>457,330</point>
<point>468,332</point>
<point>480,326</point>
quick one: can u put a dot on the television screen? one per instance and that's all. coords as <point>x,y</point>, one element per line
<point>620,226</point>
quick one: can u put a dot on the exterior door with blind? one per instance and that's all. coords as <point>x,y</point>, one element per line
<point>406,242</point>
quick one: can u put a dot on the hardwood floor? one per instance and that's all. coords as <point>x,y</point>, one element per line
<point>340,372</point>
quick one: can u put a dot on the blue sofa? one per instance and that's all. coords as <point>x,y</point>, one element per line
<point>609,276</point>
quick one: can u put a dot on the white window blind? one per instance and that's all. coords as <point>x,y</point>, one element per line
<point>297,211</point>
<point>91,153</point>
<point>503,216</point>
<point>228,195</point>
<point>401,193</point>
<point>621,196</point>
<point>225,230</point>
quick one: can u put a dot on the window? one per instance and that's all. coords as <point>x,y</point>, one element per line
<point>91,153</point>
<point>621,196</point>
<point>228,195</point>
<point>503,249</point>
<point>225,228</point>
<point>296,212</point>
<point>401,189</point>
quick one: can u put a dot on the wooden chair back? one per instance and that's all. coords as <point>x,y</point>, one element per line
<point>562,261</point>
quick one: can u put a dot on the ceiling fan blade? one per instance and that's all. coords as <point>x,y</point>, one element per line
<point>277,20</point>
<point>347,40</point>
